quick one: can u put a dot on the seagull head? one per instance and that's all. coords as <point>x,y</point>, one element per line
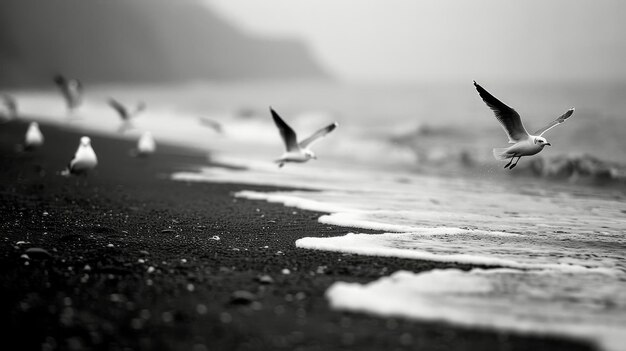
<point>541,141</point>
<point>309,154</point>
<point>85,141</point>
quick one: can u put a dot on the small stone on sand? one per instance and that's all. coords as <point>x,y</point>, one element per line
<point>242,297</point>
<point>37,252</point>
<point>265,279</point>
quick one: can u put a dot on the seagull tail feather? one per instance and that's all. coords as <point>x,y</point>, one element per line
<point>501,154</point>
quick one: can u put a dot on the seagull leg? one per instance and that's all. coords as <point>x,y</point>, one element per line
<point>281,164</point>
<point>515,164</point>
<point>511,161</point>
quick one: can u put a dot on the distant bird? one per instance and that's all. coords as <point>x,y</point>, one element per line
<point>297,152</point>
<point>84,160</point>
<point>34,138</point>
<point>126,114</point>
<point>146,145</point>
<point>525,143</point>
<point>216,126</point>
<point>10,107</point>
<point>72,91</point>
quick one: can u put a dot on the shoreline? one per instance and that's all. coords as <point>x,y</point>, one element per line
<point>131,260</point>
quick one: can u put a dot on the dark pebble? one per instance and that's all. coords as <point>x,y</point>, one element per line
<point>37,252</point>
<point>242,297</point>
<point>265,279</point>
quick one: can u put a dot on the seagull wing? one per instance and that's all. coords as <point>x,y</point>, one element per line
<point>9,101</point>
<point>59,80</point>
<point>555,123</point>
<point>62,82</point>
<point>70,164</point>
<point>320,133</point>
<point>508,117</point>
<point>11,104</point>
<point>288,135</point>
<point>211,124</point>
<point>117,106</point>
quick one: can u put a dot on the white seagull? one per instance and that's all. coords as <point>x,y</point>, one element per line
<point>146,144</point>
<point>72,91</point>
<point>297,152</point>
<point>84,160</point>
<point>525,144</point>
<point>34,138</point>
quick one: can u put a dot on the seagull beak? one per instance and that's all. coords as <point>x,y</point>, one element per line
<point>548,144</point>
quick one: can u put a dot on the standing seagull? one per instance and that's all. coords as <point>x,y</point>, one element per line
<point>84,160</point>
<point>525,144</point>
<point>34,138</point>
<point>297,152</point>
<point>146,145</point>
<point>72,90</point>
<point>125,113</point>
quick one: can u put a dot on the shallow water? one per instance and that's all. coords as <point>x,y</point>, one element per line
<point>565,254</point>
<point>563,245</point>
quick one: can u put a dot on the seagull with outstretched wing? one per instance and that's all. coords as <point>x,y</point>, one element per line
<point>10,108</point>
<point>125,113</point>
<point>297,152</point>
<point>72,91</point>
<point>525,144</point>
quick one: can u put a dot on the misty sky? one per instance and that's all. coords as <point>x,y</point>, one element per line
<point>404,40</point>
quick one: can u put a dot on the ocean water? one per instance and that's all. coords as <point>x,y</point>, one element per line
<point>414,162</point>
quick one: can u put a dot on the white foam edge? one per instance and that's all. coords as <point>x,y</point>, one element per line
<point>344,217</point>
<point>361,244</point>
<point>291,201</point>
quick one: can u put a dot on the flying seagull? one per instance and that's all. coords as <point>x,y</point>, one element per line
<point>10,107</point>
<point>525,144</point>
<point>72,91</point>
<point>124,112</point>
<point>84,160</point>
<point>297,152</point>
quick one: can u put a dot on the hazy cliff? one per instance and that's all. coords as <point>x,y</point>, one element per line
<point>139,40</point>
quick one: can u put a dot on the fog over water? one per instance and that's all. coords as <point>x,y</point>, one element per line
<point>449,40</point>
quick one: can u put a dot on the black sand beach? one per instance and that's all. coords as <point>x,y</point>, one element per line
<point>127,259</point>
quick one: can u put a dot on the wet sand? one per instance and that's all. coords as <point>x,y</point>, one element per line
<point>132,260</point>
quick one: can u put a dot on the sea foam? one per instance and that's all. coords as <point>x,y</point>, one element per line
<point>565,267</point>
<point>543,302</point>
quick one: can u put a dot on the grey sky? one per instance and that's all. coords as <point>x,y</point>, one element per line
<point>448,39</point>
